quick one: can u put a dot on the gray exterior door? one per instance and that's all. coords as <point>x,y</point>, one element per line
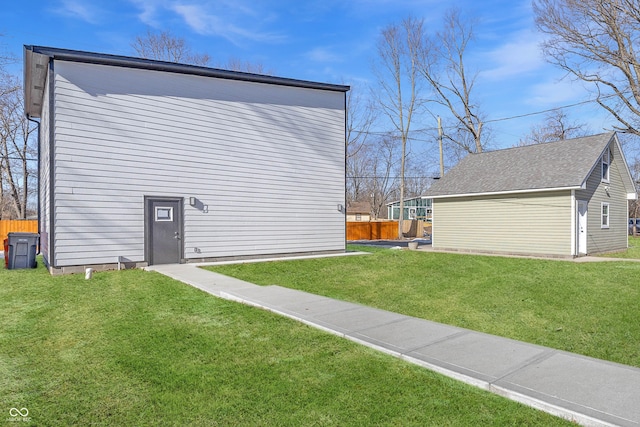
<point>163,230</point>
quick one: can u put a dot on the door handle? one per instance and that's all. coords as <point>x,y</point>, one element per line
<point>177,236</point>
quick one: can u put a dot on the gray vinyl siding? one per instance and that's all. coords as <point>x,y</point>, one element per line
<point>44,177</point>
<point>268,160</point>
<point>615,237</point>
<point>533,223</point>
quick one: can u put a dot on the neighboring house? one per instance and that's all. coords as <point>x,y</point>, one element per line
<point>148,162</point>
<point>414,208</point>
<point>566,198</point>
<point>359,211</point>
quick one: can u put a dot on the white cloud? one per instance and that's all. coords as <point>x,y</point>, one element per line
<point>321,54</point>
<point>573,97</point>
<point>206,22</point>
<point>148,11</point>
<point>79,10</point>
<point>555,93</point>
<point>514,58</point>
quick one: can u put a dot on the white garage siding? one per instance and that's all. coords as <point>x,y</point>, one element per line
<point>532,223</point>
<point>268,160</point>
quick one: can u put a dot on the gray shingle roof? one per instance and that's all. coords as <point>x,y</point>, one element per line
<point>358,207</point>
<point>559,164</point>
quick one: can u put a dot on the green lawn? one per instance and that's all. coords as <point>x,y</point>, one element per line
<point>632,252</point>
<point>587,308</point>
<point>138,349</point>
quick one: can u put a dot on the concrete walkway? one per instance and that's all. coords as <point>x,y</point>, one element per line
<point>586,390</point>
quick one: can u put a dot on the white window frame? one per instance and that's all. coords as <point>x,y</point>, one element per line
<point>606,160</point>
<point>604,218</point>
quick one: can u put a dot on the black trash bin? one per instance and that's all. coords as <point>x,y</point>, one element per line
<point>22,250</point>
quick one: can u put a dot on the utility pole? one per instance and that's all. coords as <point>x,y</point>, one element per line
<point>440,147</point>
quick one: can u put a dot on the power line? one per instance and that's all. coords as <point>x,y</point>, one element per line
<point>502,119</point>
<point>588,101</point>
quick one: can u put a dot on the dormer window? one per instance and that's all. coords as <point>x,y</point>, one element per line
<point>606,162</point>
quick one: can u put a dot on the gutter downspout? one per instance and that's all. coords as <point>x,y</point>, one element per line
<point>38,209</point>
<point>346,157</point>
<point>51,247</point>
<point>574,225</point>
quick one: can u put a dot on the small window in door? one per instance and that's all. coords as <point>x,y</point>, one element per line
<point>164,213</point>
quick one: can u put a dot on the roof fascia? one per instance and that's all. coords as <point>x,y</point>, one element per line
<point>631,187</point>
<point>407,199</point>
<point>148,64</point>
<point>597,162</point>
<point>500,193</point>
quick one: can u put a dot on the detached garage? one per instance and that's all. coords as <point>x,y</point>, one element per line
<point>566,198</point>
<point>146,162</point>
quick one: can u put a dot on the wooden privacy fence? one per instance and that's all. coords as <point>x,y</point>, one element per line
<point>17,225</point>
<point>386,230</point>
<point>378,230</point>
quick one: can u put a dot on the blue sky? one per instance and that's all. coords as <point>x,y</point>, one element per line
<point>321,40</point>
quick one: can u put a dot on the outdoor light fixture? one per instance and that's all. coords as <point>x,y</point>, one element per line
<point>192,201</point>
<point>340,207</point>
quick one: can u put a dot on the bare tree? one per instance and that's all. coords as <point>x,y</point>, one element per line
<point>236,64</point>
<point>398,94</point>
<point>359,166</point>
<point>17,152</point>
<point>418,180</point>
<point>595,41</point>
<point>5,57</point>
<point>442,65</point>
<point>165,46</point>
<point>555,127</point>
<point>372,173</point>
<point>360,117</point>
<point>382,185</point>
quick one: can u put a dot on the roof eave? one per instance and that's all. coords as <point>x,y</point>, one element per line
<point>627,179</point>
<point>149,64</point>
<point>35,75</point>
<point>406,199</point>
<point>500,193</point>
